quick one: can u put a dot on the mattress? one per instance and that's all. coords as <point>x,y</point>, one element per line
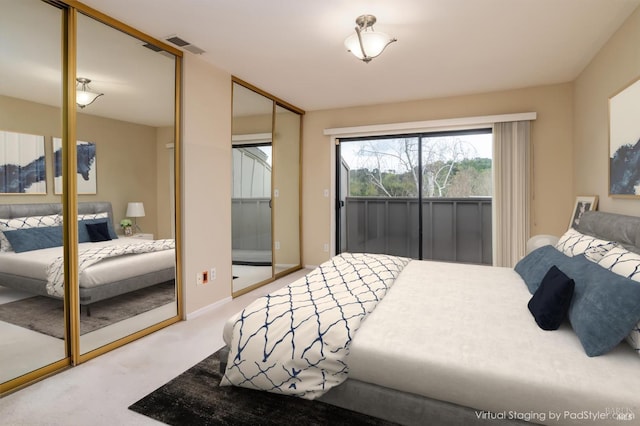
<point>463,334</point>
<point>33,264</point>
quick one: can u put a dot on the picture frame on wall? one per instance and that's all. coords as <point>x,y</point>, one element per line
<point>87,167</point>
<point>584,203</point>
<point>624,142</point>
<point>22,164</point>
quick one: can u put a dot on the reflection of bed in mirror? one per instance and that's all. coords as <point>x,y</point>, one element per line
<point>123,265</point>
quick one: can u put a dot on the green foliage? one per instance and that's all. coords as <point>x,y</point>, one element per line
<point>466,178</point>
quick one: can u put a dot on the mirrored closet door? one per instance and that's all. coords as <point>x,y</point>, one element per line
<point>265,188</point>
<point>130,129</point>
<point>32,325</point>
<point>89,178</point>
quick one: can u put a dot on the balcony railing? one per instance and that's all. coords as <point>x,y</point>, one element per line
<point>454,229</point>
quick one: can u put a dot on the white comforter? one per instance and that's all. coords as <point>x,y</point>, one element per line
<point>34,264</point>
<point>92,255</point>
<point>463,334</point>
<point>294,341</point>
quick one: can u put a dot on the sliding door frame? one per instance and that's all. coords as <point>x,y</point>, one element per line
<point>339,204</point>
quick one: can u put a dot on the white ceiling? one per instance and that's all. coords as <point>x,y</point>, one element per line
<point>294,49</point>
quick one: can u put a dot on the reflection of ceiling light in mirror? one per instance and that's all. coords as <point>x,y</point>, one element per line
<point>84,95</point>
<point>367,43</point>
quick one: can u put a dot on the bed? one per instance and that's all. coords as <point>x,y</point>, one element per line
<point>457,344</point>
<point>133,264</point>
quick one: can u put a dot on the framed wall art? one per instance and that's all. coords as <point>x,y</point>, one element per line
<point>87,183</point>
<point>624,142</point>
<point>584,203</point>
<point>22,164</point>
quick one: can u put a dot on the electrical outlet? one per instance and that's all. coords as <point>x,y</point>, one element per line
<point>277,244</point>
<point>212,274</point>
<point>199,278</point>
<point>325,247</point>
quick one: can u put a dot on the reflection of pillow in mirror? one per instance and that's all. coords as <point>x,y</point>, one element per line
<point>28,239</point>
<point>83,233</point>
<point>98,231</point>
<point>91,216</point>
<point>24,223</point>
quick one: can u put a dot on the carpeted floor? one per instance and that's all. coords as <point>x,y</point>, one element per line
<point>45,314</point>
<point>194,398</point>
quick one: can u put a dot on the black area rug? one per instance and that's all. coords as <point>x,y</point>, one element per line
<point>195,398</point>
<point>45,314</point>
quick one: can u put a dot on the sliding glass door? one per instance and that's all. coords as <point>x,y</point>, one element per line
<point>424,196</point>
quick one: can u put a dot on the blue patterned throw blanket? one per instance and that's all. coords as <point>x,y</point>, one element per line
<point>295,341</point>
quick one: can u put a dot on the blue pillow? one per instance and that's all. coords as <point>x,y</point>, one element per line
<point>98,231</point>
<point>550,303</point>
<point>605,305</point>
<point>83,233</point>
<point>29,239</point>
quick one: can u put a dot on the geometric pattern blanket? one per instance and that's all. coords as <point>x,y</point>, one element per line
<point>294,341</point>
<point>90,256</point>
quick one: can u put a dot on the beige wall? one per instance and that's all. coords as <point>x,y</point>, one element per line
<point>125,156</point>
<point>164,137</point>
<point>551,140</point>
<point>615,66</point>
<point>206,181</point>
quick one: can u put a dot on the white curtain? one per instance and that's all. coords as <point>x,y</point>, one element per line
<point>511,191</point>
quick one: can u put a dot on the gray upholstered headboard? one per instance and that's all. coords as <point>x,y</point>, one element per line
<point>612,227</point>
<point>8,211</point>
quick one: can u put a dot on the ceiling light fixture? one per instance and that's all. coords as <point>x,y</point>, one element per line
<point>84,95</point>
<point>367,43</point>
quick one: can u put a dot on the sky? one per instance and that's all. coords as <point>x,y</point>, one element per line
<point>480,146</point>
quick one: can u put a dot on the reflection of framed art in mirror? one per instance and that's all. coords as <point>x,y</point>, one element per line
<point>87,164</point>
<point>22,164</point>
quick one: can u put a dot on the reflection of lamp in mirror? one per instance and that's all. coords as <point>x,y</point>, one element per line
<point>84,95</point>
<point>135,210</point>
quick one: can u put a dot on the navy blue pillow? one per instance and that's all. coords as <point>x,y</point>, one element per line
<point>83,233</point>
<point>605,305</point>
<point>550,303</point>
<point>98,231</point>
<point>28,239</point>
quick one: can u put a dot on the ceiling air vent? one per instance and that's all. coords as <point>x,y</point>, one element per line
<point>152,47</point>
<point>184,44</point>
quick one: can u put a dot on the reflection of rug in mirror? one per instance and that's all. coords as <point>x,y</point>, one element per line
<point>45,314</point>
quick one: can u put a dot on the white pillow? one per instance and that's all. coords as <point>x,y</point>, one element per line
<point>90,216</point>
<point>24,223</point>
<point>573,243</point>
<point>625,263</point>
<point>622,262</point>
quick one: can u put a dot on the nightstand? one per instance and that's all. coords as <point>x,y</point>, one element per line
<point>141,236</point>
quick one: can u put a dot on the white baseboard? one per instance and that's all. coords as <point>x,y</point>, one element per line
<point>208,308</point>
<point>310,266</point>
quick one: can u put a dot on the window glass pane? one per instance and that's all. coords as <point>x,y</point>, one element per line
<point>457,165</point>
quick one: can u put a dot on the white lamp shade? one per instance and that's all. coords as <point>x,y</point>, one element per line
<point>84,97</point>
<point>541,240</point>
<point>374,43</point>
<point>135,209</point>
